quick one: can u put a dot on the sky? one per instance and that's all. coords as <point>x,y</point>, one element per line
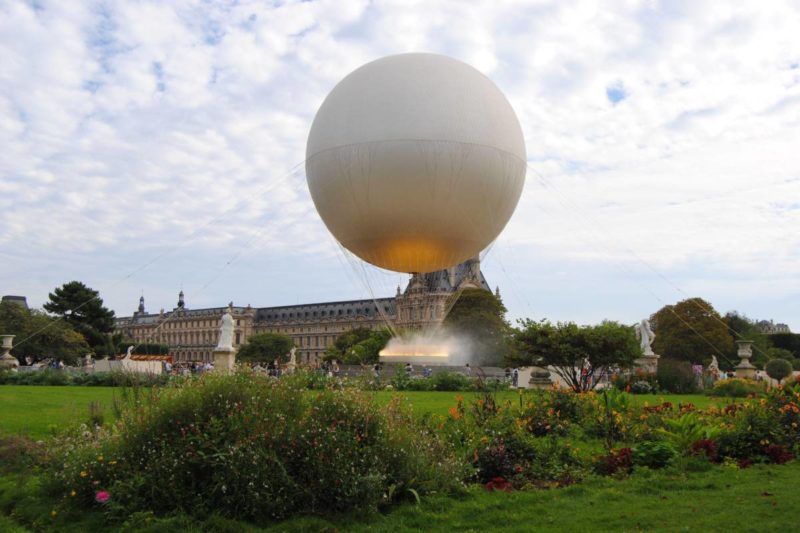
<point>149,147</point>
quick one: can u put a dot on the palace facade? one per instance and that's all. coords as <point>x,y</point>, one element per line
<point>192,334</point>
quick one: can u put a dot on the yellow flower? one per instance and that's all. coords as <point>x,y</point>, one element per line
<point>53,513</point>
<point>84,473</point>
<point>112,462</point>
<point>72,493</point>
<point>100,458</point>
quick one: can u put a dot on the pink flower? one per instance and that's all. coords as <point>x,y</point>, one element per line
<point>102,496</point>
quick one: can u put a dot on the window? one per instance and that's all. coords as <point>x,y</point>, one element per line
<point>237,322</point>
<point>238,338</point>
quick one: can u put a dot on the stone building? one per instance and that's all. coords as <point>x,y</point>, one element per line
<point>768,327</point>
<point>192,334</point>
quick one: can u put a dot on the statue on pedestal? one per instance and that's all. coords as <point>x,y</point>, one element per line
<point>226,332</point>
<point>225,353</point>
<point>645,336</point>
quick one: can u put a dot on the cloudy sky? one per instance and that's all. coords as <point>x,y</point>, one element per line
<point>149,146</point>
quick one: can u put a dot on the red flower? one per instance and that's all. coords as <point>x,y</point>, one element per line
<point>102,496</point>
<point>498,483</point>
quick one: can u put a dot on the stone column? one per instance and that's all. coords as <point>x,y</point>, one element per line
<point>745,369</point>
<point>8,361</point>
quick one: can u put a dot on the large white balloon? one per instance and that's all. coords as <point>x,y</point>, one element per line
<point>415,162</point>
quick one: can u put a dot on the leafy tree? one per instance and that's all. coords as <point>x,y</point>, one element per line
<point>579,355</point>
<point>743,328</point>
<point>689,331</point>
<point>140,348</point>
<point>787,341</point>
<point>778,369</point>
<point>479,317</point>
<point>39,336</point>
<point>358,346</point>
<point>266,347</point>
<point>83,309</point>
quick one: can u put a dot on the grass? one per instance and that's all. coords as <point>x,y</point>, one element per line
<point>722,499</point>
<point>761,498</point>
<point>36,411</point>
<point>718,498</point>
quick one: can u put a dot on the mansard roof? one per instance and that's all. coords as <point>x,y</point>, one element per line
<point>440,280</point>
<point>367,308</point>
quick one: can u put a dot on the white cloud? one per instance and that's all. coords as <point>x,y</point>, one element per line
<point>126,127</point>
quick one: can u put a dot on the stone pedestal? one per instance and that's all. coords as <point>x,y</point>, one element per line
<point>540,378</point>
<point>224,360</point>
<point>745,369</point>
<point>648,363</point>
<point>7,361</point>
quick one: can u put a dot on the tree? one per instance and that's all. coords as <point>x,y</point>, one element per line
<point>479,317</point>
<point>691,331</point>
<point>778,369</point>
<point>358,346</point>
<point>39,336</point>
<point>83,308</point>
<point>579,355</point>
<point>266,347</point>
<point>743,328</point>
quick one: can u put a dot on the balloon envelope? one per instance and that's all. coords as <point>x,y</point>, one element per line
<point>415,162</point>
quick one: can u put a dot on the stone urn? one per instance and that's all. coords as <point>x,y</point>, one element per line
<point>7,361</point>
<point>745,368</point>
<point>540,378</point>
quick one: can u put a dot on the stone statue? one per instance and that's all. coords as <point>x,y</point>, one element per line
<point>645,336</point>
<point>226,332</point>
<point>87,361</point>
<point>713,368</point>
<point>293,356</point>
<point>130,350</point>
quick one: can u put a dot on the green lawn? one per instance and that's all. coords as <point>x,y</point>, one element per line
<point>33,410</point>
<point>720,498</point>
<point>36,410</point>
<point>761,498</point>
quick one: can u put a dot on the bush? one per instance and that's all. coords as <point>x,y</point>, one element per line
<point>676,377</point>
<point>736,388</point>
<point>778,369</point>
<point>653,454</point>
<point>115,378</point>
<point>641,387</point>
<point>253,448</point>
<point>450,381</point>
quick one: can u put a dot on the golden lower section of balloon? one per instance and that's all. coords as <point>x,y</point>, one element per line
<point>415,206</point>
<point>413,254</point>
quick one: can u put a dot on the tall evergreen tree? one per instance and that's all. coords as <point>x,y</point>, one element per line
<point>82,307</point>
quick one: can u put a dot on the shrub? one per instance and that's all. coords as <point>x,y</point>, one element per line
<point>653,454</point>
<point>641,387</point>
<point>736,388</point>
<point>253,448</point>
<point>754,426</point>
<point>778,369</point>
<point>684,431</point>
<point>676,377</point>
<point>616,461</point>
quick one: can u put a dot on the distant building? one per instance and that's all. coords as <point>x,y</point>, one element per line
<point>19,300</point>
<point>192,334</point>
<point>768,327</point>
